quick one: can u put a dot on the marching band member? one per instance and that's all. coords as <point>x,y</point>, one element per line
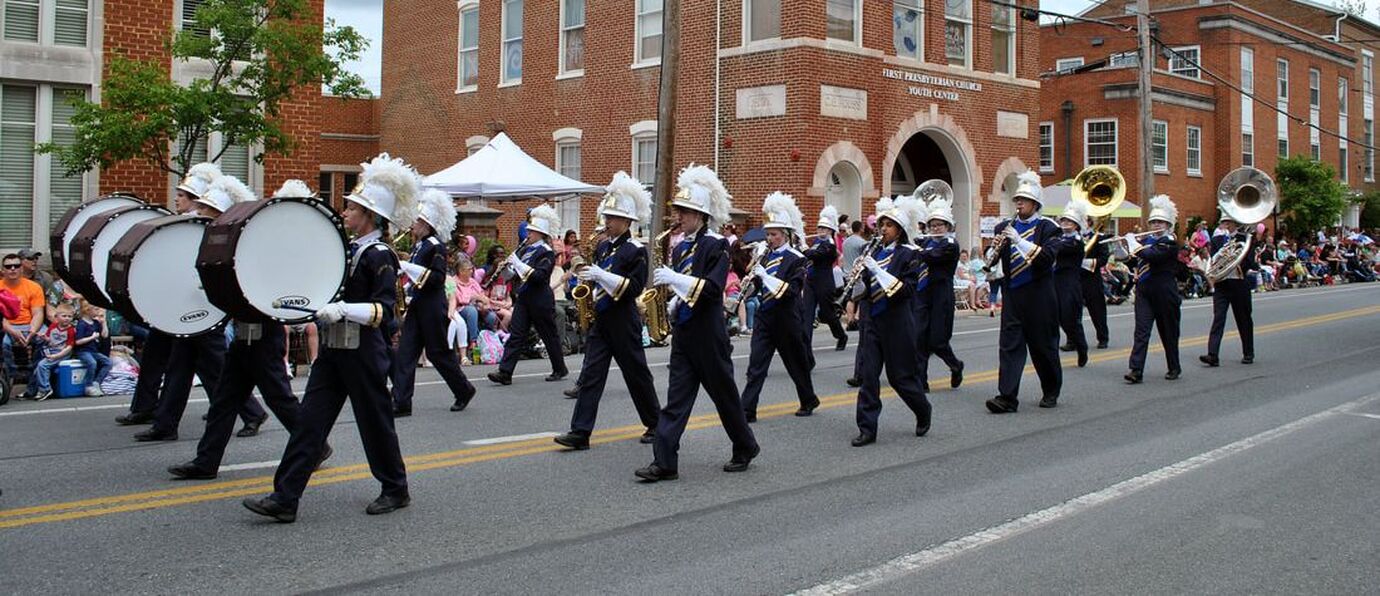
<point>618,274</point>
<point>819,289</point>
<point>933,304</point>
<point>1234,292</point>
<point>425,323</point>
<point>1157,290</point>
<point>354,356</point>
<point>1090,278</point>
<point>780,275</point>
<point>1029,314</point>
<point>889,283</point>
<point>1068,262</point>
<point>534,303</point>
<point>700,350</point>
<point>254,358</point>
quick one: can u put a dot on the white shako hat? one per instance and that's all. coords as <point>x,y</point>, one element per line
<point>702,191</point>
<point>388,187</point>
<point>437,209</point>
<point>782,213</point>
<point>829,218</point>
<point>1076,211</point>
<point>627,198</point>
<point>1028,186</point>
<point>225,192</point>
<point>199,178</point>
<point>544,219</point>
<point>1163,209</point>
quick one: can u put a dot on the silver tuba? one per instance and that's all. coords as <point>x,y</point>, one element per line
<point>1246,196</point>
<point>932,189</point>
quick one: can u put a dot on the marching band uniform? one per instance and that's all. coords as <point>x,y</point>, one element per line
<point>819,289</point>
<point>618,275</point>
<point>534,303</point>
<point>1157,292</point>
<point>700,350</point>
<point>254,358</point>
<point>1234,292</point>
<point>1029,316</point>
<point>1090,278</point>
<point>1068,263</point>
<point>354,357</point>
<point>933,304</point>
<point>425,323</point>
<point>781,277</point>
<point>889,282</point>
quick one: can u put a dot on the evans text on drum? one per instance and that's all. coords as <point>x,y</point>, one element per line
<point>89,255</point>
<point>287,252</point>
<point>153,279</point>
<point>60,240</point>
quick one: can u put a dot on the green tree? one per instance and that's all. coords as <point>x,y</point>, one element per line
<point>258,53</point>
<point>1311,197</point>
<point>1370,211</point>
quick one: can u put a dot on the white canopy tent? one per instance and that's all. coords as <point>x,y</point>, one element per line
<point>501,170</point>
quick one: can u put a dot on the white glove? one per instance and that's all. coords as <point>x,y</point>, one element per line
<point>587,273</point>
<point>610,282</point>
<point>1011,233</point>
<point>1089,264</point>
<point>1132,243</point>
<point>759,270</point>
<point>413,271</point>
<point>771,283</point>
<point>872,264</point>
<point>331,313</point>
<point>520,268</point>
<point>680,283</point>
<point>363,313</point>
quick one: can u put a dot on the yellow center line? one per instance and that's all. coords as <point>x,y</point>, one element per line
<point>212,491</point>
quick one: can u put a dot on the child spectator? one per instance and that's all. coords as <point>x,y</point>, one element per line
<point>90,333</point>
<point>58,343</point>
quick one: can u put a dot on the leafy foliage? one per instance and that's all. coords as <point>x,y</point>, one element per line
<point>1311,197</point>
<point>1370,211</point>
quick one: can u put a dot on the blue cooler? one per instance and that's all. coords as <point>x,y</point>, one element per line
<point>71,379</point>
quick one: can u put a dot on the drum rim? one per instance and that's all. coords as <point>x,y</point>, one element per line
<point>121,299</point>
<point>105,217</point>
<point>56,248</point>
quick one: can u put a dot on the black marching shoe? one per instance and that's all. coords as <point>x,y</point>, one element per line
<point>573,441</point>
<point>1002,405</point>
<point>556,376</point>
<point>655,473</point>
<point>1247,359</point>
<point>956,376</point>
<point>853,382</point>
<point>1133,376</point>
<point>401,412</point>
<point>463,401</point>
<point>154,434</point>
<point>648,437</point>
<point>191,471</point>
<point>572,392</point>
<point>1068,347</point>
<point>269,508</point>
<point>842,345</point>
<point>864,439</point>
<point>251,428</point>
<point>1082,358</point>
<point>1210,360</point>
<point>326,452</point>
<point>1102,345</point>
<point>1173,375</point>
<point>809,408</point>
<point>134,419</point>
<point>1049,401</point>
<point>740,463</point>
<point>500,377</point>
<point>922,426</point>
<point>388,504</point>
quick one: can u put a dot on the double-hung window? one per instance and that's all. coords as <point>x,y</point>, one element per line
<point>958,32</point>
<point>572,36</point>
<point>512,41</point>
<point>647,50</point>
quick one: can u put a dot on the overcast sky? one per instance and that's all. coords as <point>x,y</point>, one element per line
<point>367,17</point>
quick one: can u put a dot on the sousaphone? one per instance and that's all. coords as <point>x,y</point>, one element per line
<point>1246,196</point>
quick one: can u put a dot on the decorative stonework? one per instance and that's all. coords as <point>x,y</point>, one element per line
<point>1012,165</point>
<point>932,120</point>
<point>844,151</point>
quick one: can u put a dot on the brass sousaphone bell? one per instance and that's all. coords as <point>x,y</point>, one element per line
<point>1104,189</point>
<point>1246,196</point>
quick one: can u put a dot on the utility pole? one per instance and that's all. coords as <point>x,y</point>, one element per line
<point>1147,63</point>
<point>665,118</point>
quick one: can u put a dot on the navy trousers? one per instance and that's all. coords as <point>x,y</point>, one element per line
<point>247,365</point>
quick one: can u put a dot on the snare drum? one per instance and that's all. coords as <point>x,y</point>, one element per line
<point>60,240</point>
<point>88,258</point>
<point>153,280</point>
<point>260,256</point>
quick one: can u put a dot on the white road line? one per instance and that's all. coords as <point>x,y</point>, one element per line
<point>911,563</point>
<point>258,465</point>
<point>1365,415</point>
<point>512,438</point>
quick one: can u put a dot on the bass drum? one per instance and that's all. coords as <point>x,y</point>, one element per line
<point>277,260</point>
<point>60,240</point>
<point>88,258</point>
<point>153,279</point>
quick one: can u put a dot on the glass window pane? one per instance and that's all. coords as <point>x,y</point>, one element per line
<point>16,164</point>
<point>839,19</point>
<point>69,25</point>
<point>574,13</point>
<point>235,162</point>
<point>574,49</point>
<point>64,190</point>
<point>512,61</point>
<point>324,185</point>
<point>907,31</point>
<point>1001,52</point>
<point>956,42</point>
<point>764,20</point>
<point>469,68</point>
<point>512,19</point>
<point>469,21</point>
<point>959,9</point>
<point>21,20</point>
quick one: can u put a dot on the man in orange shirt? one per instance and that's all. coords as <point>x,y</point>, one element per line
<point>21,329</point>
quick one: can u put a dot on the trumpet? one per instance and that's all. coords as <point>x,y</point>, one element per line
<point>1137,235</point>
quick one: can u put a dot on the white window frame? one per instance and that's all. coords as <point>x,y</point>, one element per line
<point>1342,159</point>
<point>41,218</point>
<point>1129,59</point>
<point>638,59</point>
<point>1159,168</point>
<point>1367,72</point>
<point>1315,151</point>
<point>569,208</point>
<point>1368,163</point>
<point>968,36</point>
<point>565,30</point>
<point>1314,88</point>
<point>504,80</point>
<point>1282,144</point>
<point>1248,70</point>
<point>1247,149</point>
<point>1116,138</point>
<point>1010,42</point>
<point>1282,81</point>
<point>1184,67</point>
<point>747,24</point>
<point>464,6</point>
<point>919,7</point>
<point>1046,168</point>
<point>46,34</point>
<point>1193,150</point>
<point>641,132</point>
<point>1343,102</point>
<point>857,25</point>
<point>1068,64</point>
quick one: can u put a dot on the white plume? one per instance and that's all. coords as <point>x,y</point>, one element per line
<point>545,219</point>
<point>438,209</point>
<point>782,203</point>
<point>1164,204</point>
<point>624,185</point>
<point>206,171</point>
<point>295,189</point>
<point>227,191</point>
<point>706,180</point>
<point>913,210</point>
<point>400,179</point>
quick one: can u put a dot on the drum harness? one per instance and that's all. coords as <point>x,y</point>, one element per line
<point>344,335</point>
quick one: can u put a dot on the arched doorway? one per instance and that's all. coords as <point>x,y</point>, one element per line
<point>844,190</point>
<point>932,153</point>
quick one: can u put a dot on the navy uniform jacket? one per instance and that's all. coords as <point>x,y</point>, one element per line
<point>792,270</point>
<point>431,288</point>
<point>822,255</point>
<point>1248,263</point>
<point>938,259</point>
<point>705,303</point>
<point>1044,234</point>
<point>1100,254</point>
<point>626,257</point>
<point>1068,257</point>
<point>1157,263</point>
<point>902,265</point>
<point>374,280</point>
<point>534,289</point>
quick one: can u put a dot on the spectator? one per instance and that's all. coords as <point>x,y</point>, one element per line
<point>57,345</point>
<point>851,250</point>
<point>1200,236</point>
<point>90,332</point>
<point>493,260</point>
<point>466,306</point>
<point>21,329</point>
<point>733,291</point>
<point>500,303</point>
<point>965,282</point>
<point>1197,271</point>
<point>994,279</point>
<point>842,234</point>
<point>975,267</point>
<point>730,233</point>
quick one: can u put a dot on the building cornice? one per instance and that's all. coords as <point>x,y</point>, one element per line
<point>1307,46</point>
<point>775,45</point>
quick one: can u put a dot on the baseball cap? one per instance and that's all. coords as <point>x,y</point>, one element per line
<point>29,253</point>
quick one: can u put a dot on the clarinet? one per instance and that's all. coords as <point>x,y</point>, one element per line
<point>855,274</point>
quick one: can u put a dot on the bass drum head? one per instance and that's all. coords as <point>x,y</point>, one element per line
<point>291,251</point>
<point>90,256</point>
<point>71,222</point>
<point>162,286</point>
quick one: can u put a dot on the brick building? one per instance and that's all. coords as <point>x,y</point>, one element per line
<point>49,48</point>
<point>834,101</point>
<point>1289,67</point>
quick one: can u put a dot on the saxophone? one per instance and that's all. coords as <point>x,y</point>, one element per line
<point>654,299</point>
<point>583,295</point>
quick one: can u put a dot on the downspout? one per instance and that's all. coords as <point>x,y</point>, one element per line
<point>1337,27</point>
<point>1067,110</point>
<point>718,33</point>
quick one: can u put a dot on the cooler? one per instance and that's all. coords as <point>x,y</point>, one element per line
<point>71,379</point>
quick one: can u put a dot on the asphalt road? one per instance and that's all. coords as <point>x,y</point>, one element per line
<point>1259,478</point>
